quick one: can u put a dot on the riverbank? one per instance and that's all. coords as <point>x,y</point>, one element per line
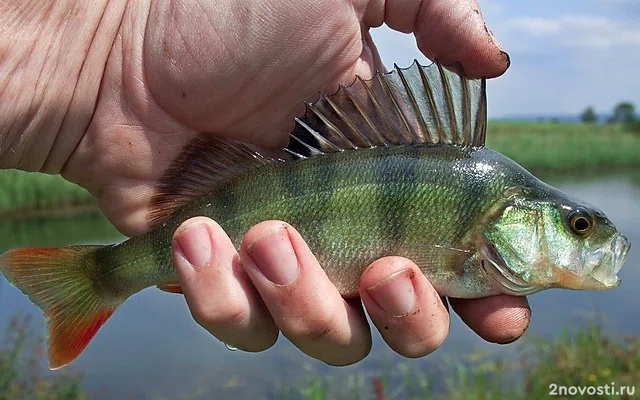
<point>537,146</point>
<point>547,146</point>
<point>584,364</point>
<point>26,194</point>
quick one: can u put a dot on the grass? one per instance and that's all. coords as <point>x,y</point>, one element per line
<point>589,359</point>
<point>21,366</point>
<point>24,192</point>
<point>536,146</point>
<point>555,146</point>
<point>585,358</point>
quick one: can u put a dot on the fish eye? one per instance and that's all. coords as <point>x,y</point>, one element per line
<point>580,221</point>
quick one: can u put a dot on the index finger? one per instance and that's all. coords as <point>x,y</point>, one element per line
<point>450,31</point>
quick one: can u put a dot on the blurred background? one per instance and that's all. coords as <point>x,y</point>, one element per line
<point>566,110</point>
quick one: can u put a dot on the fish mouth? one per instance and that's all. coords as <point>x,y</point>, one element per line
<point>607,262</point>
<point>599,271</point>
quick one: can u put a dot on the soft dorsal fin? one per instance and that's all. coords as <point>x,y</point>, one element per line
<point>414,105</point>
<point>206,162</point>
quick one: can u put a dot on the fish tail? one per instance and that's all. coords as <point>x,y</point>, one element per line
<point>59,282</point>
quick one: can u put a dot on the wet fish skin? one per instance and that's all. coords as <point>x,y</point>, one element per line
<point>351,209</point>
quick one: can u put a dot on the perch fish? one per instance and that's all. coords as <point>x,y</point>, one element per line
<point>395,165</point>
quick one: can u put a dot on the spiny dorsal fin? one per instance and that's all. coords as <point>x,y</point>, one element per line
<point>205,163</point>
<point>405,106</point>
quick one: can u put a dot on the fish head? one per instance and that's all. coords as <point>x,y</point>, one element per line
<point>553,241</point>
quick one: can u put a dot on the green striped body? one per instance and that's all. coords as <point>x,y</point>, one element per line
<point>428,203</point>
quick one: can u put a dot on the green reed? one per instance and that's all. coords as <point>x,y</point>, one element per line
<point>22,366</point>
<point>557,146</point>
<point>585,358</point>
<point>23,192</point>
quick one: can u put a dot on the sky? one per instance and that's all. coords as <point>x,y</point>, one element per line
<point>565,55</point>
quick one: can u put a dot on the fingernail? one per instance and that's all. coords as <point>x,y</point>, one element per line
<point>273,256</point>
<point>193,243</point>
<point>395,294</point>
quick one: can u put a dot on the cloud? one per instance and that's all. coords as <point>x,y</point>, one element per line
<point>533,26</point>
<point>579,31</point>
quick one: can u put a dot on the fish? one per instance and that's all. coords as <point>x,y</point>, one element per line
<point>393,165</point>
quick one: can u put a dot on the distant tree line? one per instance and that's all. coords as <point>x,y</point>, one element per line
<point>623,113</point>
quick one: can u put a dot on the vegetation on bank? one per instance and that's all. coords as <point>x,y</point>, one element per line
<point>21,366</point>
<point>536,146</point>
<point>605,367</point>
<point>588,359</point>
<point>543,146</point>
<point>23,192</point>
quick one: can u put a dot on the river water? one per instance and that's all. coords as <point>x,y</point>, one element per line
<point>151,348</point>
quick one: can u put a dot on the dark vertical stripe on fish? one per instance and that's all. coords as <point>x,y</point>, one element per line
<point>326,182</point>
<point>292,185</point>
<point>226,205</point>
<point>393,208</point>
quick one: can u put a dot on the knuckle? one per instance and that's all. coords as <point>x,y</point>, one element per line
<point>233,316</point>
<point>199,311</point>
<point>314,328</point>
<point>210,315</point>
<point>427,343</point>
<point>438,336</point>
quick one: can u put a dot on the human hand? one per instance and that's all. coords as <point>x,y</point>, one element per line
<point>172,69</point>
<point>243,301</point>
<point>240,70</point>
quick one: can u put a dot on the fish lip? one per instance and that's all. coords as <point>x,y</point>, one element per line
<point>620,249</point>
<point>604,274</point>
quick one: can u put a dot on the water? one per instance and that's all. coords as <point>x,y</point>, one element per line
<point>152,348</point>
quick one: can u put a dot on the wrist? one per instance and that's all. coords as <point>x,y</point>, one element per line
<point>52,58</point>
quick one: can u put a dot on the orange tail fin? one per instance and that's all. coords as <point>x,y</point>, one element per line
<point>57,281</point>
